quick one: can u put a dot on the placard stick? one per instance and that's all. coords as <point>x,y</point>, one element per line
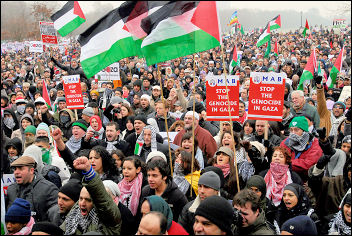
<point>165,117</point>
<point>76,114</point>
<point>228,101</point>
<point>194,107</point>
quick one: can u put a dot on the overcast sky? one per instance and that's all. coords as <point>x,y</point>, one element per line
<point>325,7</point>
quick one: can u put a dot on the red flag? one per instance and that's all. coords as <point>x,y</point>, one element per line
<point>234,56</point>
<point>276,48</point>
<point>46,94</point>
<point>307,26</point>
<point>330,44</point>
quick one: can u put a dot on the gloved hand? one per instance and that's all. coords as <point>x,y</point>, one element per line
<point>318,79</point>
<point>322,133</point>
<point>266,143</point>
<point>323,161</point>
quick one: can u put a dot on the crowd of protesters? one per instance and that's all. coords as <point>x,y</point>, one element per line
<point>108,170</point>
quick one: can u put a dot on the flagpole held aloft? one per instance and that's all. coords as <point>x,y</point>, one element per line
<point>228,102</point>
<point>194,108</point>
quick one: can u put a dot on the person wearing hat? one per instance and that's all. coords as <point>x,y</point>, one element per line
<point>208,185</point>
<point>18,218</point>
<point>213,216</point>
<point>29,134</point>
<point>329,120</point>
<point>206,141</point>
<point>79,129</point>
<point>95,210</point>
<point>303,147</point>
<point>94,94</point>
<point>20,107</point>
<point>30,109</point>
<point>87,113</point>
<point>156,93</point>
<point>247,202</point>
<point>28,184</point>
<point>299,225</point>
<point>14,149</point>
<point>68,195</point>
<point>146,109</point>
<point>137,85</point>
<point>299,106</point>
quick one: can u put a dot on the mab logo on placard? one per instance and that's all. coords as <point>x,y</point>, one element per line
<point>268,77</point>
<point>219,80</point>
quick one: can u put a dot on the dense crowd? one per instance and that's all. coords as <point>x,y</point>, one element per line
<point>107,169</point>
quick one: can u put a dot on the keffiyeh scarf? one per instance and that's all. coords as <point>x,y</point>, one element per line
<point>132,191</point>
<point>75,220</point>
<point>179,179</point>
<point>298,143</point>
<point>73,144</point>
<point>338,225</point>
<point>225,169</point>
<point>277,177</point>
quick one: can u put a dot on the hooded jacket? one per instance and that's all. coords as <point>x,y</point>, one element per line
<point>19,133</point>
<point>16,143</point>
<point>172,195</point>
<point>7,130</point>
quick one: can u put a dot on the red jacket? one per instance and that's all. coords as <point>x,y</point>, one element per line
<point>176,229</point>
<point>306,159</point>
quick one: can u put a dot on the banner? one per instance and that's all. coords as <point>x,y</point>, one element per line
<point>266,96</point>
<point>217,103</point>
<point>6,181</point>
<point>48,32</point>
<point>73,92</point>
<point>110,73</point>
<point>36,46</point>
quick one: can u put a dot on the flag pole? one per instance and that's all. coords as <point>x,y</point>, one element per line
<point>194,108</point>
<point>165,118</point>
<point>228,102</point>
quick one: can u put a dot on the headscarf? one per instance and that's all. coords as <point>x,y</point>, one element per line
<point>157,203</point>
<point>303,206</point>
<point>132,191</point>
<point>277,177</point>
<point>140,138</point>
<point>114,188</point>
<point>100,127</point>
<point>339,225</point>
<point>36,153</point>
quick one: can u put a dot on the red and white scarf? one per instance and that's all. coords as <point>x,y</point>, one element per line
<point>131,190</point>
<point>276,179</point>
<point>225,169</point>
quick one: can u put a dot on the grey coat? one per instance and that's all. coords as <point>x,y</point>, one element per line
<point>41,194</point>
<point>309,110</point>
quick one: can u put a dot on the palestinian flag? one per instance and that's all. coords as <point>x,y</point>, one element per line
<point>234,62</point>
<point>276,48</point>
<point>69,18</point>
<point>275,23</point>
<point>264,37</point>
<point>178,29</point>
<point>46,95</point>
<point>305,29</point>
<point>233,19</point>
<point>138,148</point>
<point>106,42</point>
<point>335,70</point>
<point>268,50</point>
<point>308,71</point>
<point>242,30</point>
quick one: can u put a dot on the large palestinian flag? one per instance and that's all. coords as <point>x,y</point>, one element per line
<point>335,70</point>
<point>180,28</point>
<point>68,18</point>
<point>234,62</point>
<point>308,71</point>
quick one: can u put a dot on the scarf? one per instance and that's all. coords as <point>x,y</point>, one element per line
<point>130,192</point>
<point>298,143</point>
<point>245,170</point>
<point>240,155</point>
<point>225,169</point>
<point>287,119</point>
<point>75,220</point>
<point>140,138</point>
<point>27,229</point>
<point>277,177</point>
<point>73,144</point>
<point>194,180</point>
<point>179,179</point>
<point>338,225</point>
<point>111,146</point>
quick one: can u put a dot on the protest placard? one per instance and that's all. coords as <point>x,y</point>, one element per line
<point>266,96</point>
<point>7,180</point>
<point>48,32</point>
<point>36,46</point>
<point>216,96</point>
<point>110,73</point>
<point>345,93</point>
<point>73,92</point>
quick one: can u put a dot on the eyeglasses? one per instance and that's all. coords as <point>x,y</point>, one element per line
<point>338,107</point>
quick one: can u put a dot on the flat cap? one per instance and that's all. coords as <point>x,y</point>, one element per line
<point>23,161</point>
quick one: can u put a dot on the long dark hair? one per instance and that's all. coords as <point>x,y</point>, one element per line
<point>108,162</point>
<point>186,158</point>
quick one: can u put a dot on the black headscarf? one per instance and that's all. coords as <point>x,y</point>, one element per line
<point>302,208</point>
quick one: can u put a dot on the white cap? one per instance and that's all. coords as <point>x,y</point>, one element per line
<point>155,154</point>
<point>146,96</point>
<point>190,113</point>
<point>156,87</point>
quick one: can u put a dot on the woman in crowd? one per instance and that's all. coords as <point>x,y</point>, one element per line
<point>248,129</point>
<point>122,119</point>
<point>187,145</point>
<point>129,127</point>
<point>25,120</point>
<point>119,158</point>
<point>97,127</point>
<point>183,175</point>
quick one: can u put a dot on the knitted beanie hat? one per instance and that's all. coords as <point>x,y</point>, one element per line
<point>81,123</point>
<point>72,189</point>
<point>300,122</point>
<point>19,212</point>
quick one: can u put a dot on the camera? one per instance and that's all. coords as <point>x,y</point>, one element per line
<point>95,133</point>
<point>117,110</point>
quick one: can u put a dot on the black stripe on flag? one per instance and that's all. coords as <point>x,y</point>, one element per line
<point>168,10</point>
<point>66,8</point>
